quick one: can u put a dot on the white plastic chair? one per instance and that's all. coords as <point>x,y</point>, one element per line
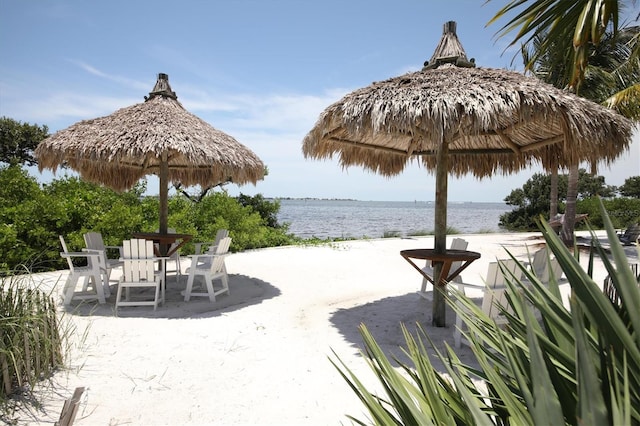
<point>210,247</point>
<point>138,272</point>
<point>211,267</point>
<point>92,282</point>
<point>94,242</point>
<point>456,244</point>
<point>494,293</point>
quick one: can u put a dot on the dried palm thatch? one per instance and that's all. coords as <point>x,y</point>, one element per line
<point>119,149</point>
<point>492,120</point>
<point>456,119</point>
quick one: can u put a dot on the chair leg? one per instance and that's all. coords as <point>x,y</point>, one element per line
<point>187,292</point>
<point>99,284</point>
<point>162,290</point>
<point>225,283</point>
<point>69,288</point>
<point>212,294</point>
<point>157,297</point>
<point>118,296</point>
<point>457,332</point>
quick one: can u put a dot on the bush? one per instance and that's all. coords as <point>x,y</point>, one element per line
<point>622,211</point>
<point>32,217</point>
<point>573,366</point>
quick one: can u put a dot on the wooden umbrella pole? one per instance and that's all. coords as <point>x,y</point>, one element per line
<point>440,240</point>
<point>164,198</point>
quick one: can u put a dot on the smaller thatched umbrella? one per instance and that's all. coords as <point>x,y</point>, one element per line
<point>455,118</point>
<point>158,137</point>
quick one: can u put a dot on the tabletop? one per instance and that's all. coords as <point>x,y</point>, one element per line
<point>446,258</point>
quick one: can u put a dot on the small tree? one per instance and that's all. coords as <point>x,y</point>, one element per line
<point>18,140</point>
<point>631,187</point>
<point>533,199</point>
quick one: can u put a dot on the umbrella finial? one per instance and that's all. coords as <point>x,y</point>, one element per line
<point>162,88</point>
<point>449,27</point>
<point>449,51</point>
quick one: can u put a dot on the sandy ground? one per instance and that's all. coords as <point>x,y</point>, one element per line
<point>261,355</point>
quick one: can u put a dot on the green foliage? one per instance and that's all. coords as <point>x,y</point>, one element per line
<point>268,210</point>
<point>534,198</point>
<point>631,187</point>
<point>31,218</point>
<point>28,221</point>
<point>550,364</point>
<point>18,140</point>
<point>622,211</point>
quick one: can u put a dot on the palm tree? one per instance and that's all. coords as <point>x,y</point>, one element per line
<point>571,27</point>
<point>601,66</point>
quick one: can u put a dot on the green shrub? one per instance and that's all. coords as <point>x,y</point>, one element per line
<point>622,211</point>
<point>576,366</point>
<point>32,217</point>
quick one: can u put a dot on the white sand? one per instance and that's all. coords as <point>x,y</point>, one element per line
<point>259,356</point>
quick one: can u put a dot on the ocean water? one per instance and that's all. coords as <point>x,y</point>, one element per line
<point>355,219</point>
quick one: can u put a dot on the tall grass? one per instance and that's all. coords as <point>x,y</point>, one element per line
<point>30,338</point>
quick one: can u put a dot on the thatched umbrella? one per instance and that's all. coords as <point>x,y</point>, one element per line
<point>455,118</point>
<point>157,136</point>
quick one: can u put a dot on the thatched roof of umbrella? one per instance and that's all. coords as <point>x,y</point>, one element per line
<point>458,119</point>
<point>119,149</point>
<point>493,120</point>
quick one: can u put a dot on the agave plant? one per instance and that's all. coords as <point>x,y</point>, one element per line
<point>550,364</point>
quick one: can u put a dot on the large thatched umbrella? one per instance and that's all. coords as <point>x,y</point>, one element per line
<point>455,118</point>
<point>158,137</point>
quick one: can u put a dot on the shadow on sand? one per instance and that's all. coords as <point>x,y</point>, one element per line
<point>383,319</point>
<point>243,291</point>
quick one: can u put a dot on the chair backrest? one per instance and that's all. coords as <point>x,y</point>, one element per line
<point>632,232</point>
<point>458,244</point>
<point>66,251</point>
<point>217,265</point>
<point>220,234</point>
<point>94,241</point>
<point>138,262</point>
<point>497,275</point>
<point>544,266</point>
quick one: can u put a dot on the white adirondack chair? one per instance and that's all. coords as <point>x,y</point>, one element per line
<point>138,272</point>
<point>494,293</point>
<point>92,283</point>
<point>456,244</point>
<point>211,267</point>
<point>94,242</point>
<point>545,267</point>
<point>210,246</point>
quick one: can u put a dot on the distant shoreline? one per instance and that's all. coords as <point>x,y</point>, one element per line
<point>378,201</point>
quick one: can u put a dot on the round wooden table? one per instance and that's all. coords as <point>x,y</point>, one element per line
<point>446,274</point>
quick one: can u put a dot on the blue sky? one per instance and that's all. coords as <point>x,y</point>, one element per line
<point>261,71</point>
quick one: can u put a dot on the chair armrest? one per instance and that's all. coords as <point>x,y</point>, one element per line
<point>80,254</point>
<point>198,246</point>
<point>119,248</point>
<point>463,285</point>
